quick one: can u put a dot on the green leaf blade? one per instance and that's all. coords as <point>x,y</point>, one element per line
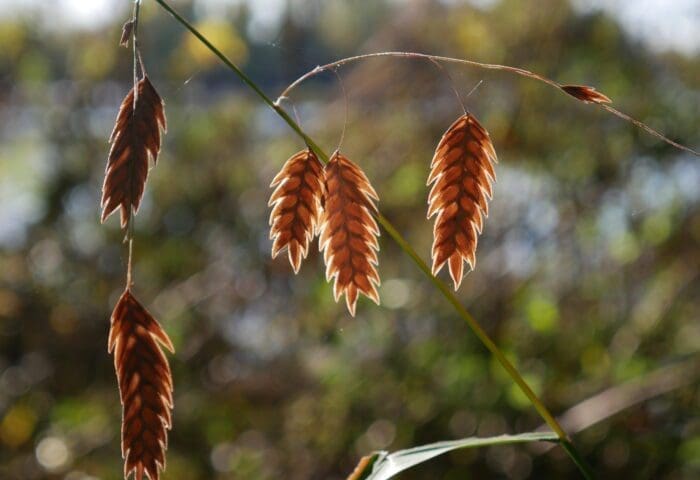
<point>387,466</point>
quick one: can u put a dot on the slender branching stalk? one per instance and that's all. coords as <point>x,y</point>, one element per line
<point>437,59</point>
<point>136,339</point>
<point>586,94</point>
<point>129,238</point>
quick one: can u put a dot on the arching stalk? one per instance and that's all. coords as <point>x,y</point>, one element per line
<point>549,419</point>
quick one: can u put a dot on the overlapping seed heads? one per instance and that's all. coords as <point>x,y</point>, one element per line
<point>338,201</point>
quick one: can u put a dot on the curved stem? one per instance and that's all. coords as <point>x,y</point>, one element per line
<point>406,247</point>
<point>489,66</point>
<point>415,55</point>
<point>444,71</point>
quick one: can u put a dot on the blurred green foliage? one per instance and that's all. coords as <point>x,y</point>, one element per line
<point>587,272</point>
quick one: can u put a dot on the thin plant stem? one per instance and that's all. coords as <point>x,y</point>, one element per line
<point>406,247</point>
<point>129,264</point>
<point>246,80</point>
<point>489,66</point>
<point>347,107</point>
<point>134,46</point>
<point>447,75</point>
<point>129,238</point>
<point>415,55</point>
<point>297,117</point>
<point>647,128</point>
<point>138,59</point>
<point>474,88</point>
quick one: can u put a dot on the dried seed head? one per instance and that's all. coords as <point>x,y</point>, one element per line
<point>145,386</point>
<point>296,206</point>
<point>348,233</point>
<point>135,139</point>
<point>586,94</point>
<point>462,173</point>
<point>127,29</point>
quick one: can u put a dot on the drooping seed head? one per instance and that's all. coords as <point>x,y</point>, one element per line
<point>586,94</point>
<point>462,173</point>
<point>296,206</point>
<point>145,386</point>
<point>135,140</point>
<point>348,233</point>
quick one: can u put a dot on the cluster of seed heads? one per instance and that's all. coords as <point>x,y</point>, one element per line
<point>335,202</point>
<point>338,203</point>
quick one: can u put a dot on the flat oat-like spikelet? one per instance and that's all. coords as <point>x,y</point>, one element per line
<point>462,173</point>
<point>296,206</point>
<point>348,233</point>
<point>145,386</point>
<point>586,94</point>
<point>135,139</point>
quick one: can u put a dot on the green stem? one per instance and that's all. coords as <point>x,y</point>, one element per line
<point>406,247</point>
<point>476,328</point>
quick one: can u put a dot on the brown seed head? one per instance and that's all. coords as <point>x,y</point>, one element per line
<point>462,173</point>
<point>135,139</point>
<point>348,233</point>
<point>145,386</point>
<point>296,206</point>
<point>586,94</point>
<point>127,30</point>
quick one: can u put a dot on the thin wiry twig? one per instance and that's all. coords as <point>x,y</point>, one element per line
<point>648,129</point>
<point>347,107</point>
<point>488,66</point>
<point>129,237</point>
<point>444,71</point>
<point>474,88</point>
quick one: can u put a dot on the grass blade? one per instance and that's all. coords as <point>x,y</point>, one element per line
<point>384,465</point>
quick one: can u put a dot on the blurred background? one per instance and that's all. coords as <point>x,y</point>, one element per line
<point>587,271</point>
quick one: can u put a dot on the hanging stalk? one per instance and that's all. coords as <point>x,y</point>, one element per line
<point>403,244</point>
